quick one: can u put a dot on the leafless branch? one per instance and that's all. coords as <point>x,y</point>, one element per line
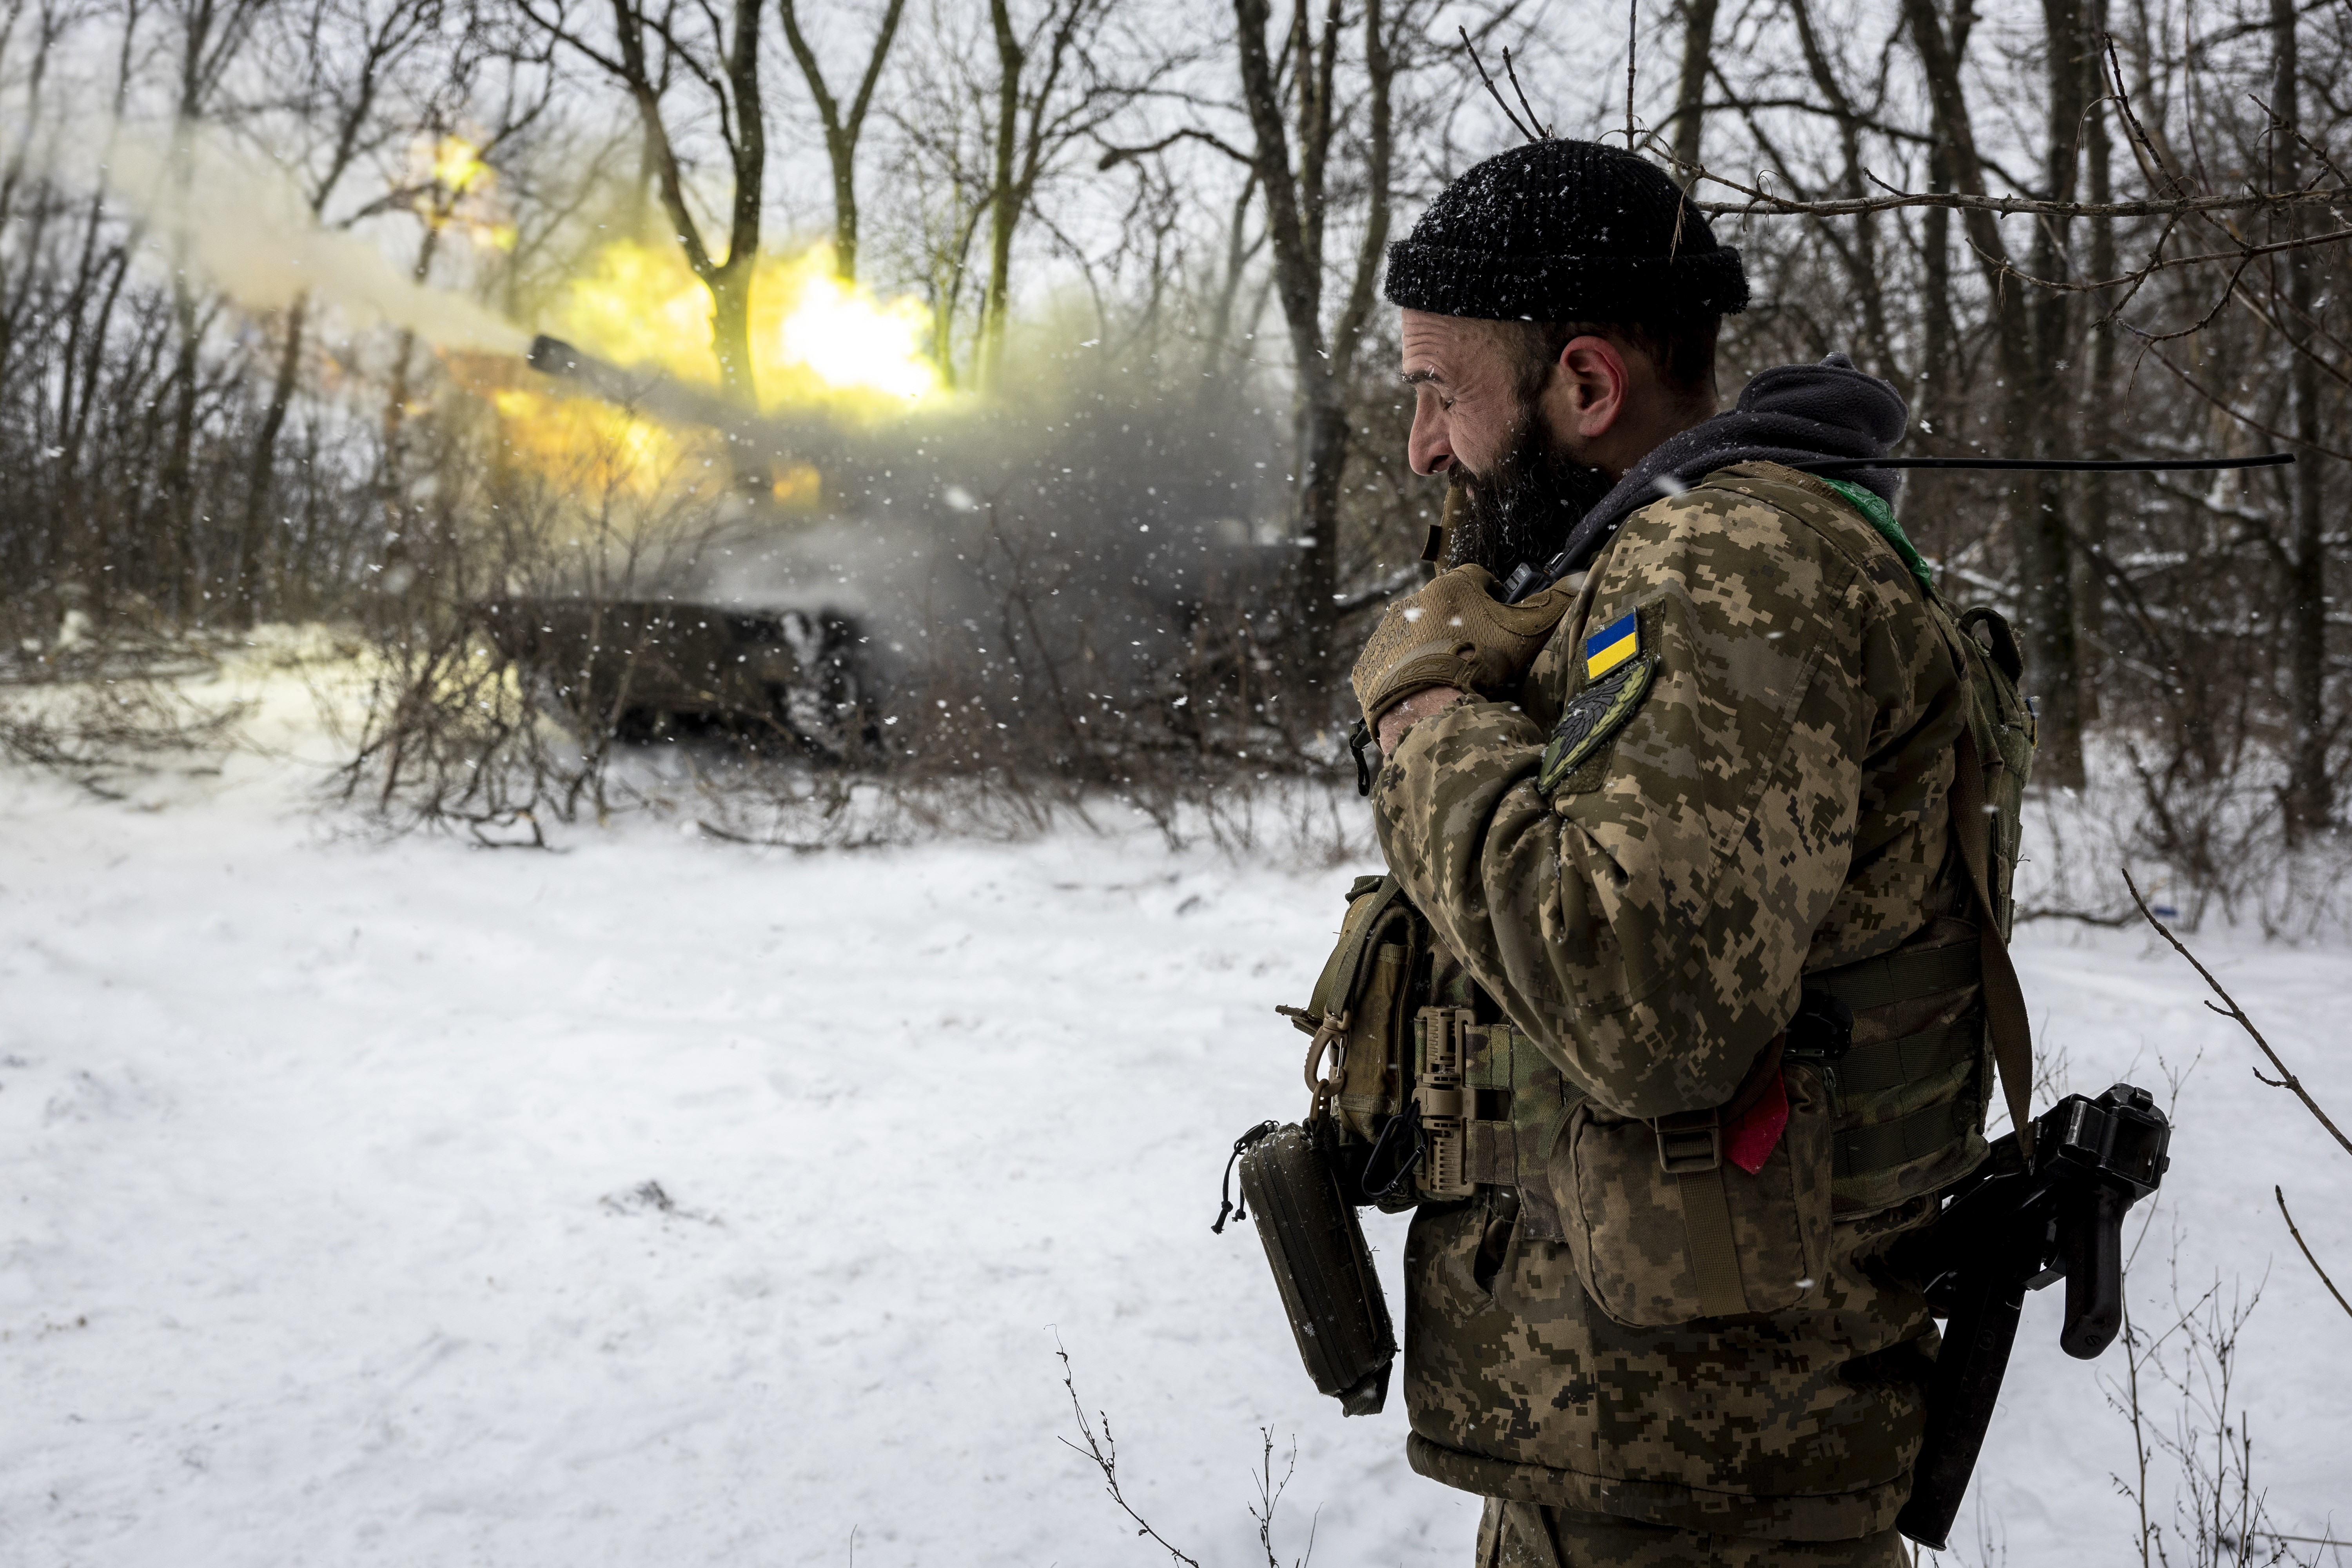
<point>1104,1453</point>
<point>1118,155</point>
<point>2286,1079</point>
<point>1492,91</point>
<point>2295,1232</point>
<point>1764,203</point>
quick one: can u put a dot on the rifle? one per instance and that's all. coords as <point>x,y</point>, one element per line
<point>2018,1225</point>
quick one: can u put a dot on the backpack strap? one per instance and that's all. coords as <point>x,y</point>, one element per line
<point>2007,1024</point>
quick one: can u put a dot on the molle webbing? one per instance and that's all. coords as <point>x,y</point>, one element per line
<point>1899,977</point>
<point>1927,1131</point>
<point>1338,981</point>
<point>1865,1069</point>
<point>1881,1127</point>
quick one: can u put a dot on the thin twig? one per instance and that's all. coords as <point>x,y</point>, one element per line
<point>2112,922</point>
<point>1512,71</point>
<point>1105,1455</point>
<point>1471,49</point>
<point>1632,17</point>
<point>2291,1229</point>
<point>2285,1080</point>
<point>1763,204</point>
<point>2166,263</point>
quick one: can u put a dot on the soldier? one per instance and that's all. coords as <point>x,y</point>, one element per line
<point>1680,825</point>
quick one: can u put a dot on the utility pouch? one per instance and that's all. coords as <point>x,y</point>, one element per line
<point>1324,1270</point>
<point>1359,1015</point>
<point>1666,1226</point>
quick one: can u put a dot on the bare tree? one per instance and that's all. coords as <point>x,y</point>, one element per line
<point>1295,121</point>
<point>711,57</point>
<point>2309,794</point>
<point>1050,92</point>
<point>344,58</point>
<point>209,35</point>
<point>2029,341</point>
<point>842,131</point>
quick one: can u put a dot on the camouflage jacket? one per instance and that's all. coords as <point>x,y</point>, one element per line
<point>1774,804</point>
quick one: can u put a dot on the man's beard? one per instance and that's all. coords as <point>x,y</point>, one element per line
<point>1522,507</point>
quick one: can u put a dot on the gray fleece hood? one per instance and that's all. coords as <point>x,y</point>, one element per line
<point>1791,413</point>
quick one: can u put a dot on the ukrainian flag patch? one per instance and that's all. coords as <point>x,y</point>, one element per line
<point>1612,646</point>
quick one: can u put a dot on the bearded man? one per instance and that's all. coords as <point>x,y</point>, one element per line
<point>1680,827</point>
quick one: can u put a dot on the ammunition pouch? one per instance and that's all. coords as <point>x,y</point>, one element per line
<point>1322,1267</point>
<point>1666,1226</point>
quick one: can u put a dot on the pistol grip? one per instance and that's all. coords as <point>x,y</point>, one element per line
<point>2090,1242</point>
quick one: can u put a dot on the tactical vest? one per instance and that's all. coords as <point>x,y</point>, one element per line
<point>1875,1093</point>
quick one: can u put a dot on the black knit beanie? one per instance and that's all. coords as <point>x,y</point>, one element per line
<point>1565,231</point>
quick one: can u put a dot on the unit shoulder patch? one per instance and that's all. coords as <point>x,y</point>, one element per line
<point>1591,716</point>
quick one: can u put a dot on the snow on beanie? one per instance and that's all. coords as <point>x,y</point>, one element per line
<point>1565,231</point>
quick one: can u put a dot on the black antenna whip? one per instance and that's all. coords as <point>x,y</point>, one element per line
<point>2047,465</point>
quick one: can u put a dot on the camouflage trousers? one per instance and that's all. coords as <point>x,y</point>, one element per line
<point>1529,1535</point>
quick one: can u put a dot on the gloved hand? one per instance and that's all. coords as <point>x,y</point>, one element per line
<point>1453,632</point>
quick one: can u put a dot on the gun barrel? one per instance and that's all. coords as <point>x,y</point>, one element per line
<point>1960,1398</point>
<point>2019,1230</point>
<point>665,397</point>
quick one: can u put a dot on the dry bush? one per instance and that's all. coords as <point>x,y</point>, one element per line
<point>456,730</point>
<point>103,713</point>
<point>2211,846</point>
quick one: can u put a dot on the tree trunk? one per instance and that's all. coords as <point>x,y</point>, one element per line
<point>1319,421</point>
<point>2099,399</point>
<point>744,126</point>
<point>1003,207</point>
<point>841,132</point>
<point>2038,521</point>
<point>176,593</point>
<point>262,468</point>
<point>1690,97</point>
<point>2042,416</point>
<point>730,334</point>
<point>1938,397</point>
<point>2310,793</point>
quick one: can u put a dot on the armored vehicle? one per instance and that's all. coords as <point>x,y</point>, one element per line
<point>642,670</point>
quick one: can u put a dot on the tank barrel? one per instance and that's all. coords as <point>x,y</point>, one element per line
<point>664,397</point>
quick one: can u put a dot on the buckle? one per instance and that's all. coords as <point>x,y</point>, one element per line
<point>1689,1143</point>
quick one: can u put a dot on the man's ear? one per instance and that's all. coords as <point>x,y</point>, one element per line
<point>1589,389</point>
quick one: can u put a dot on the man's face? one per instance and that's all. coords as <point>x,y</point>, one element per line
<point>1476,422</point>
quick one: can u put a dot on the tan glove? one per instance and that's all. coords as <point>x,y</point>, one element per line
<point>1454,632</point>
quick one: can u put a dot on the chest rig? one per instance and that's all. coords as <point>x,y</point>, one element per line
<point>1881,1079</point>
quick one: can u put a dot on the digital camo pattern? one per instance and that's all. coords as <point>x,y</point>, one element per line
<point>1776,803</point>
<point>1529,1535</point>
<point>1796,1426</point>
<point>1623,1213</point>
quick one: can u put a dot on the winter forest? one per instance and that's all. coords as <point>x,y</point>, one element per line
<point>673,705</point>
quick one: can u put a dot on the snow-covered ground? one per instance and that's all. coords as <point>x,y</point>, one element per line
<point>665,1201</point>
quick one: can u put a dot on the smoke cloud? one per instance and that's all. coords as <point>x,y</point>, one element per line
<point>245,225</point>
